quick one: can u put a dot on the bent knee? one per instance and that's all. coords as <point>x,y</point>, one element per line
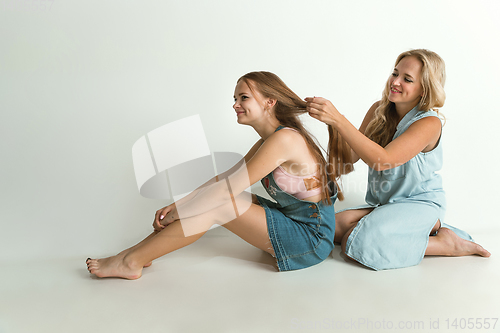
<point>349,218</point>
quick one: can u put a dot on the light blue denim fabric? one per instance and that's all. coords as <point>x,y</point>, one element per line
<point>301,232</point>
<point>408,200</point>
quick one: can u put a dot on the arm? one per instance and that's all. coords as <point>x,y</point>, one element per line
<point>273,152</point>
<point>168,214</point>
<point>415,139</point>
<point>261,161</point>
<point>223,175</point>
<point>368,117</point>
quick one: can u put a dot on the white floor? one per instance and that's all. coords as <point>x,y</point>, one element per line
<point>222,284</point>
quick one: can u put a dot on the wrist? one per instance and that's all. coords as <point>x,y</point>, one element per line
<point>338,121</point>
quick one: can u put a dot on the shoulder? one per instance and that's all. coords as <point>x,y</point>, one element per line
<point>286,140</point>
<point>426,123</point>
<point>369,117</point>
<point>287,135</point>
<point>371,111</point>
<point>375,105</point>
<point>427,114</point>
<point>280,140</point>
<point>427,127</point>
<point>429,118</point>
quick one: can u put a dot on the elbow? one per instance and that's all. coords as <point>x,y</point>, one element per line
<point>383,162</point>
<point>381,166</point>
<point>378,167</point>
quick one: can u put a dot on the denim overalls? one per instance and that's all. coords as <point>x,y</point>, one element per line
<point>301,232</point>
<point>408,201</point>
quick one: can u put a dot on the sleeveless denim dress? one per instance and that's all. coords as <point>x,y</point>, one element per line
<point>301,232</point>
<point>408,201</point>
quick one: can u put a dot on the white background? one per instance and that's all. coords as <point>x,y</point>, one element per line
<point>82,81</point>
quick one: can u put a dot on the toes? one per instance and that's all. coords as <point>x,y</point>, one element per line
<point>474,248</point>
<point>482,252</point>
<point>93,269</point>
<point>92,265</point>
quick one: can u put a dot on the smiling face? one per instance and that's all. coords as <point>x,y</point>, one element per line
<point>405,83</point>
<point>249,104</point>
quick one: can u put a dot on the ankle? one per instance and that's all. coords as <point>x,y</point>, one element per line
<point>132,263</point>
<point>448,246</point>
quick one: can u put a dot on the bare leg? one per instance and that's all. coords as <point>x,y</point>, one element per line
<point>251,226</point>
<point>346,220</point>
<point>447,243</point>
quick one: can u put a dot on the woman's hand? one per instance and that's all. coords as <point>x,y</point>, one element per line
<point>165,216</point>
<point>323,110</point>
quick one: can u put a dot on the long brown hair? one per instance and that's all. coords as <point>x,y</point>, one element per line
<point>382,127</point>
<point>287,109</point>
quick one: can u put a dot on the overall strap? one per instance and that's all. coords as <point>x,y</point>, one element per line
<point>278,128</point>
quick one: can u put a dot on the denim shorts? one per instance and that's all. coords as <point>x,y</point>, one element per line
<point>301,233</point>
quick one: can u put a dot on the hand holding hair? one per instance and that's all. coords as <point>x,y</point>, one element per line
<point>322,109</point>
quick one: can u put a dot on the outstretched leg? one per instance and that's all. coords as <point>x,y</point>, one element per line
<point>251,226</point>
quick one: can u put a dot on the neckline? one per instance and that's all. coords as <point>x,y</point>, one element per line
<point>407,117</point>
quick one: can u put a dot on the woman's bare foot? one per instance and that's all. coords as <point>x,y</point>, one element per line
<point>454,246</point>
<point>116,266</point>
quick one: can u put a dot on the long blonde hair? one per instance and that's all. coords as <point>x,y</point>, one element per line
<point>382,127</point>
<point>287,110</point>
